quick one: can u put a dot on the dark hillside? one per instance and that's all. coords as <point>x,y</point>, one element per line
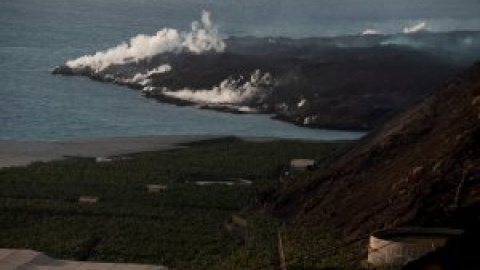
<point>421,168</point>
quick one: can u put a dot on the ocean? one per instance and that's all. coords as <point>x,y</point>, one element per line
<point>37,35</point>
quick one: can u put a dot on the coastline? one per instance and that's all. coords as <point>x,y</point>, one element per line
<point>24,152</point>
<point>308,82</point>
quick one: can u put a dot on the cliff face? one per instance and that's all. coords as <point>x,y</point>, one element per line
<point>421,168</point>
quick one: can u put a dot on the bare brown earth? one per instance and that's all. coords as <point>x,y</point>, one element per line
<point>420,169</point>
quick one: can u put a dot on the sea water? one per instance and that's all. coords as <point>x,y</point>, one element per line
<point>37,35</point>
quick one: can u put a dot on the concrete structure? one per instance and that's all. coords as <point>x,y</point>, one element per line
<point>399,246</point>
<point>302,164</point>
<point>153,188</point>
<point>88,199</point>
<point>22,259</point>
<point>103,159</point>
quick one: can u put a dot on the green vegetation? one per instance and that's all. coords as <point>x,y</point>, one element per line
<point>181,227</point>
<point>259,250</point>
<point>311,247</point>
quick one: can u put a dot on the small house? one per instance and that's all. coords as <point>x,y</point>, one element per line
<point>103,159</point>
<point>154,188</point>
<point>302,164</point>
<point>88,199</point>
<point>399,246</point>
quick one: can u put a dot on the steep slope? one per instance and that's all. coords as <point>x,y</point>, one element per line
<point>421,168</point>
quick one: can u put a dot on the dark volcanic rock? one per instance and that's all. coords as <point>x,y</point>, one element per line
<point>63,70</point>
<point>355,82</point>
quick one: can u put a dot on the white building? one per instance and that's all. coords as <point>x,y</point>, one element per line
<point>302,164</point>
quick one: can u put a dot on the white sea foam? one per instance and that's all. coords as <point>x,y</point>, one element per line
<point>203,37</point>
<point>230,91</point>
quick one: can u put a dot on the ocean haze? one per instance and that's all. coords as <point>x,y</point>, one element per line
<point>38,35</point>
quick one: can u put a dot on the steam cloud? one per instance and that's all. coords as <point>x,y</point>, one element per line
<point>415,28</point>
<point>367,32</point>
<point>230,91</point>
<point>421,26</point>
<point>143,78</point>
<point>202,37</point>
<point>407,41</point>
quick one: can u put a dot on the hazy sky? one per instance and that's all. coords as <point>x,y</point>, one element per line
<point>263,17</point>
<point>377,9</point>
<point>332,15</point>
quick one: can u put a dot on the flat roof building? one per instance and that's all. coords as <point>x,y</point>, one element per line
<point>155,188</point>
<point>88,199</point>
<point>302,164</point>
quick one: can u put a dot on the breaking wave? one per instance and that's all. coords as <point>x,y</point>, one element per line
<point>230,91</point>
<point>202,37</point>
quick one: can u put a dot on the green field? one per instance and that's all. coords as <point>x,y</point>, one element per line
<point>181,227</point>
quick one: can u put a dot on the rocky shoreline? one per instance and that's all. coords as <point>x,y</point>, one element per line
<point>350,83</point>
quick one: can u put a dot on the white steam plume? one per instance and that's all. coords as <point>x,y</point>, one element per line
<point>202,37</point>
<point>143,78</point>
<point>230,91</point>
<point>418,27</point>
<point>368,32</point>
<point>140,78</point>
